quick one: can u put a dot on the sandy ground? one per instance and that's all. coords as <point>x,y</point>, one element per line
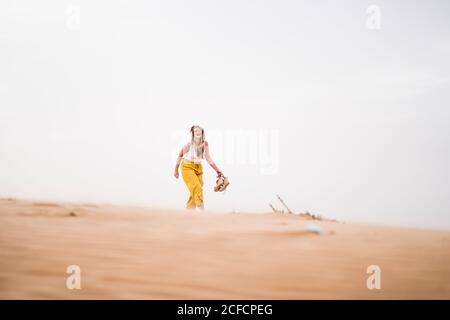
<point>143,253</point>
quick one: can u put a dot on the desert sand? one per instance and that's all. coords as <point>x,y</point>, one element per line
<point>144,253</point>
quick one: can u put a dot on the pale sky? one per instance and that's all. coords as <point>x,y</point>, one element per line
<point>300,98</point>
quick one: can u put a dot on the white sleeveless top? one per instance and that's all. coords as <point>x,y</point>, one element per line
<point>191,155</point>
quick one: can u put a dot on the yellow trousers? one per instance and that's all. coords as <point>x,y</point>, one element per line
<point>193,177</point>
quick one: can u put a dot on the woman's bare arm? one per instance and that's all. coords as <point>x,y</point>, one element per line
<point>210,160</point>
<point>180,156</point>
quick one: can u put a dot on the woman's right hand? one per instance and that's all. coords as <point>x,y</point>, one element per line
<point>176,174</point>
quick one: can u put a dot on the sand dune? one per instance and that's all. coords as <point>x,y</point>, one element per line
<point>142,253</point>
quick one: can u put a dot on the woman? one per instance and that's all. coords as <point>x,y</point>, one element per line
<point>192,155</point>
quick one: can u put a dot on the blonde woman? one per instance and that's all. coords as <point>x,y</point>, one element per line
<point>191,156</point>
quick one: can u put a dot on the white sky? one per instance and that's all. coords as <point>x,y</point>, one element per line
<point>353,123</point>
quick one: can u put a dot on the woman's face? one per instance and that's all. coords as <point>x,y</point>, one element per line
<point>197,132</point>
